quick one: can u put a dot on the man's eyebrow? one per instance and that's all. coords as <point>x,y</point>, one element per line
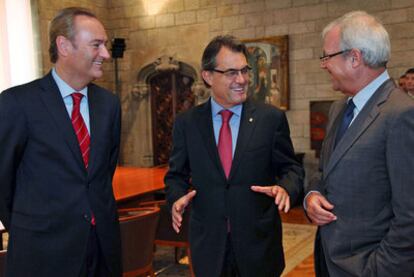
<point>100,41</point>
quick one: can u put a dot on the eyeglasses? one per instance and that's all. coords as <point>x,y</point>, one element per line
<point>233,73</point>
<point>326,57</point>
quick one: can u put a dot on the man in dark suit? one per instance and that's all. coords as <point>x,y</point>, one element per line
<point>56,197</point>
<point>243,171</point>
<point>362,199</point>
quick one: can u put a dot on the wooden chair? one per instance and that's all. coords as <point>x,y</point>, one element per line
<point>2,231</point>
<point>138,227</point>
<point>166,235</point>
<point>3,263</point>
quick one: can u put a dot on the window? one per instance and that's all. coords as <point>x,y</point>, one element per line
<point>18,49</point>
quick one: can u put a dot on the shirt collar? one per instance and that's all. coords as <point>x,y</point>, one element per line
<point>64,88</point>
<point>362,97</point>
<point>216,108</point>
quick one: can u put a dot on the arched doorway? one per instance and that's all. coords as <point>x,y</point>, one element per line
<point>170,85</point>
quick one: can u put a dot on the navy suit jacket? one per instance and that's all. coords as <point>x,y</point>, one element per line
<point>46,194</point>
<point>264,156</point>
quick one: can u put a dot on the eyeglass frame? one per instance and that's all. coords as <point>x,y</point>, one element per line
<point>232,73</point>
<point>326,57</point>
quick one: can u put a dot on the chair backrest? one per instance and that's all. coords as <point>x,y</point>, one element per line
<point>138,227</point>
<point>2,262</point>
<point>166,235</point>
<point>165,232</point>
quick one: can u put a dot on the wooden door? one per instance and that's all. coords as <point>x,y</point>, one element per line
<point>170,95</point>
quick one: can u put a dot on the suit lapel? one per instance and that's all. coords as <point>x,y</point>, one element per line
<point>95,109</point>
<point>247,124</point>
<point>329,142</point>
<point>205,125</point>
<point>53,101</point>
<point>360,125</point>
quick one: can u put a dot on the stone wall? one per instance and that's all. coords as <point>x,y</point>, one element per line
<point>182,28</point>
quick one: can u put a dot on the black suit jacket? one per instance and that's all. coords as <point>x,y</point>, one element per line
<point>264,156</point>
<point>46,194</point>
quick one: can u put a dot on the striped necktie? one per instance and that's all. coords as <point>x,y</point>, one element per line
<point>80,128</point>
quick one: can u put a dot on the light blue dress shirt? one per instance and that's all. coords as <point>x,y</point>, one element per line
<point>362,97</point>
<point>66,91</point>
<point>234,121</point>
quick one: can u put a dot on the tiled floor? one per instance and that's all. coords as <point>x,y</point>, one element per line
<point>164,264</point>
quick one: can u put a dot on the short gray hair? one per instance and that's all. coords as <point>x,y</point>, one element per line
<point>360,30</point>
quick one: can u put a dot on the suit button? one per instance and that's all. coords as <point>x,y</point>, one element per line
<point>86,217</point>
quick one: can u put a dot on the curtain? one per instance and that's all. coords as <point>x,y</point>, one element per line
<point>18,56</point>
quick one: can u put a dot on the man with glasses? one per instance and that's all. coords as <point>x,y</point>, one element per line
<point>362,198</point>
<point>238,157</point>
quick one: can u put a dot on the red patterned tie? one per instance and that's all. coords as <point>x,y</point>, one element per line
<point>225,143</point>
<point>80,128</point>
<point>81,133</point>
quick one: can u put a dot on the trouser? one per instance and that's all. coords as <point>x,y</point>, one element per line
<point>230,268</point>
<point>94,266</point>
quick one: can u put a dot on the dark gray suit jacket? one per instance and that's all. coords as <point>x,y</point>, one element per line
<point>368,178</point>
<point>264,156</point>
<point>46,194</point>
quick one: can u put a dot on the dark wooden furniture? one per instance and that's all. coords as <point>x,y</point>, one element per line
<point>138,228</point>
<point>3,263</point>
<point>166,235</point>
<point>133,185</point>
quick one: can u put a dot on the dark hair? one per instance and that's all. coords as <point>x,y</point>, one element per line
<point>208,61</point>
<point>410,71</point>
<point>63,25</point>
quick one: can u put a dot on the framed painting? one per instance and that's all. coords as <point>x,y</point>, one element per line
<point>319,115</point>
<point>269,79</point>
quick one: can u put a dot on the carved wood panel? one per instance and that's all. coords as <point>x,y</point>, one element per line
<point>170,95</point>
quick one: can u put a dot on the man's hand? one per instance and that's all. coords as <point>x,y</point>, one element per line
<point>178,210</point>
<point>282,199</point>
<point>318,209</point>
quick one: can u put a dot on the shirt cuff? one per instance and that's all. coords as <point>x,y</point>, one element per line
<point>306,196</point>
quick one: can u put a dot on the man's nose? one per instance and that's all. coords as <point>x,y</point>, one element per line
<point>242,78</point>
<point>105,53</point>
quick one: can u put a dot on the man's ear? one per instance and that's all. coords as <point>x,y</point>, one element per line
<point>207,77</point>
<point>356,57</point>
<point>63,46</point>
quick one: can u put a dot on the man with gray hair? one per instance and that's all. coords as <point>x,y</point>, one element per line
<point>362,198</point>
